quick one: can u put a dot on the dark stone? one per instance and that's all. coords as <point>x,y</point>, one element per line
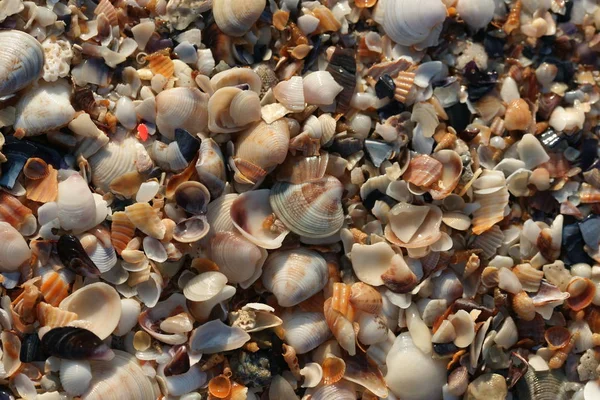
<point>390,109</point>
<point>385,87</point>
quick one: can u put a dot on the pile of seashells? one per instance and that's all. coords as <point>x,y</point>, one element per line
<point>292,199</point>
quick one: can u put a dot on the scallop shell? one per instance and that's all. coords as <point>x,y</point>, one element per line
<point>234,18</point>
<point>121,376</point>
<point>310,209</point>
<point>14,251</point>
<point>43,108</point>
<point>75,376</point>
<point>305,331</point>
<point>238,258</point>
<point>294,275</point>
<point>100,316</point>
<point>215,336</point>
<point>181,107</point>
<point>121,231</point>
<point>145,218</point>
<point>414,22</point>
<point>53,316</point>
<point>44,190</point>
<point>22,61</point>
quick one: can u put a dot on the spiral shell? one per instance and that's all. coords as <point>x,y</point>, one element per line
<point>181,107</point>
<point>414,22</point>
<point>21,61</point>
<point>236,77</point>
<point>294,275</point>
<point>311,209</point>
<point>235,18</point>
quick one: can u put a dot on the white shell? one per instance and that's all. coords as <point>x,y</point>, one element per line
<point>476,13</point>
<point>204,286</point>
<point>130,311</point>
<point>75,376</point>
<point>414,22</point>
<point>305,331</point>
<point>101,315</point>
<point>238,258</point>
<point>215,336</point>
<point>290,93</point>
<point>235,18</point>
<point>44,107</point>
<point>77,210</point>
<point>14,250</point>
<point>313,373</point>
<point>181,107</point>
<point>320,88</point>
<point>531,151</point>
<point>154,249</point>
<point>371,261</point>
<point>21,62</point>
<point>178,385</point>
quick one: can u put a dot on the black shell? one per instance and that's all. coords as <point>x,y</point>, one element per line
<point>31,349</point>
<point>342,67</point>
<point>75,344</point>
<point>73,256</point>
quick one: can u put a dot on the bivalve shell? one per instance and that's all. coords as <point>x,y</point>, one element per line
<point>215,336</point>
<point>414,22</point>
<point>181,107</point>
<point>14,250</point>
<point>235,18</point>
<point>21,63</point>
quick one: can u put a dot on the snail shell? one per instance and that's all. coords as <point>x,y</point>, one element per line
<point>21,61</point>
<point>311,209</point>
<point>236,18</point>
<point>414,22</point>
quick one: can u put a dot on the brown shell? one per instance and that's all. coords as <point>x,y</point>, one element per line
<point>219,386</point>
<point>146,219</point>
<point>404,86</point>
<point>529,277</point>
<point>366,298</point>
<point>289,355</point>
<point>36,168</point>
<point>423,171</point>
<point>593,318</point>
<point>518,116</point>
<point>43,190</point>
<point>523,306</point>
<point>333,370</point>
<point>121,231</point>
<point>12,210</point>
<point>582,291</point>
<point>160,63</point>
<point>557,337</point>
<point>105,7</point>
<point>327,21</point>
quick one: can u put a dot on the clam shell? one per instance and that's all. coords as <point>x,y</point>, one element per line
<point>114,160</point>
<point>238,258</point>
<point>130,311</point>
<point>290,93</point>
<point>211,167</point>
<point>75,376</point>
<point>21,63</point>
<point>121,231</point>
<point>77,208</point>
<point>215,336</point>
<point>414,22</point>
<point>299,169</point>
<point>231,109</point>
<point>181,107</point>
<point>204,286</point>
<point>311,209</point>
<point>193,197</point>
<point>305,331</point>
<point>43,108</point>
<point>236,77</point>
<point>492,195</point>
<point>14,251</point>
<point>234,18</point>
<point>145,218</point>
<point>294,275</point>
<point>248,212</point>
<point>320,88</point>
<point>477,14</point>
<point>100,316</point>
<point>218,214</point>
<point>121,376</point>
<point>191,230</point>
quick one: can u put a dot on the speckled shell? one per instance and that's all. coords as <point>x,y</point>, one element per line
<point>21,61</point>
<point>311,209</point>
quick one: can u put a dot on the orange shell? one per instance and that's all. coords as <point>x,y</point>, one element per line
<point>333,370</point>
<point>36,168</point>
<point>423,171</point>
<point>366,298</point>
<point>121,231</point>
<point>161,64</point>
<point>12,210</point>
<point>582,291</point>
<point>54,288</point>
<point>44,190</point>
<point>53,316</point>
<point>557,337</point>
<point>219,386</point>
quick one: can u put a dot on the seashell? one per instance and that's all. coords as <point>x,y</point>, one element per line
<point>566,119</point>
<point>333,369</point>
<point>121,231</point>
<point>290,93</point>
<point>101,316</point>
<point>305,331</point>
<point>72,343</point>
<point>338,391</point>
<point>327,20</point>
<point>508,281</point>
<point>365,372</point>
<point>14,251</point>
<point>409,22</point>
<point>210,167</point>
<point>23,61</point>
<point>423,171</point>
<point>299,169</point>
<point>154,249</point>
<point>312,373</point>
<point>17,215</point>
<point>535,383</point>
<point>77,208</point>
<point>490,386</point>
<point>43,108</point>
<point>492,195</point>
<point>236,19</point>
<point>181,107</point>
<point>582,292</point>
<point>191,230</point>
<point>464,327</point>
<point>44,190</point>
<point>251,214</point>
<point>237,77</point>
<point>123,374</point>
<point>423,368</point>
<point>218,214</point>
<point>239,259</point>
<point>215,336</point>
<point>413,226</point>
<point>52,316</point>
<point>202,310</point>
<point>193,197</point>
<point>294,275</point>
<point>149,318</point>
<point>160,63</point>
<point>74,257</point>
<point>523,306</point>
<point>180,323</point>
<point>341,327</point>
<point>255,317</point>
<point>11,348</point>
<point>219,386</point>
<point>507,335</point>
<point>451,172</point>
<point>36,168</point>
<point>311,209</point>
<point>557,337</point>
<point>54,287</point>
<point>476,14</point>
<point>320,88</point>
<point>529,277</point>
<point>373,328</point>
<point>146,219</point>
<point>149,288</point>
<point>178,385</point>
<point>130,311</point>
<point>231,109</point>
<point>75,376</point>
<point>204,286</point>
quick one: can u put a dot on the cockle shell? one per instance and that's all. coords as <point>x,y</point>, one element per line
<point>100,316</point>
<point>311,209</point>
<point>215,337</point>
<point>294,275</point>
<point>181,107</point>
<point>305,331</point>
<point>121,376</point>
<point>14,251</point>
<point>22,61</point>
<point>43,108</point>
<point>320,88</point>
<point>290,93</point>
<point>234,18</point>
<point>414,22</point>
<point>114,160</point>
<point>75,376</point>
<point>238,258</point>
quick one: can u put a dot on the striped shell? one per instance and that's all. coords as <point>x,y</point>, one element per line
<point>21,61</point>
<point>311,209</point>
<point>236,18</point>
<point>112,161</point>
<point>121,231</point>
<point>414,22</point>
<point>305,331</point>
<point>181,107</point>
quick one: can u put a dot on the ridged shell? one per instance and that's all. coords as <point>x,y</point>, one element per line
<point>543,385</point>
<point>43,108</point>
<point>14,251</point>
<point>21,61</point>
<point>294,275</point>
<point>181,107</point>
<point>476,13</point>
<point>121,231</point>
<point>414,22</point>
<point>16,214</point>
<point>146,219</point>
<point>231,109</point>
<point>112,161</point>
<point>54,316</point>
<point>235,18</point>
<point>118,378</point>
<point>300,169</point>
<point>75,376</point>
<point>311,209</point>
<point>100,316</point>
<point>54,288</point>
<point>239,259</point>
<point>492,195</point>
<point>290,93</point>
<point>305,331</point>
<point>44,190</point>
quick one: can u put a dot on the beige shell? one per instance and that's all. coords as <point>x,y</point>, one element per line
<point>451,171</point>
<point>22,61</point>
<point>236,18</point>
<point>236,77</point>
<point>210,167</point>
<point>145,218</point>
<point>101,315</point>
<point>294,275</point>
<point>113,161</point>
<point>181,107</point>
<point>53,316</point>
<point>492,195</point>
<point>14,250</point>
<point>311,209</point>
<point>230,109</point>
<point>414,226</point>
